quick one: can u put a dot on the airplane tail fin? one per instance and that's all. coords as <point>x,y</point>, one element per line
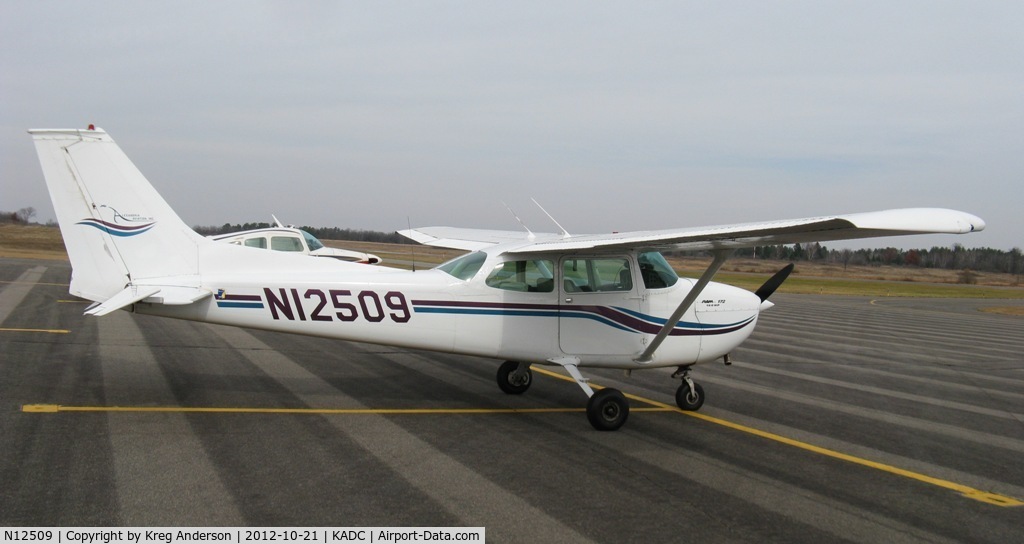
<point>117,229</point>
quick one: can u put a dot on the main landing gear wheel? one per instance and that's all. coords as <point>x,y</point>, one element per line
<point>607,410</point>
<point>512,380</point>
<point>690,400</point>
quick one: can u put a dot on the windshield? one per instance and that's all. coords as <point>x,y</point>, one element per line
<point>464,267</point>
<point>656,271</point>
<point>311,241</point>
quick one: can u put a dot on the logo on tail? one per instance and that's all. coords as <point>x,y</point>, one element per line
<point>115,229</point>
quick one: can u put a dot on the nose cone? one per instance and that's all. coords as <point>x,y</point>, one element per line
<point>766,304</point>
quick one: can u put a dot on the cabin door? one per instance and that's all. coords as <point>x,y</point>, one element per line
<point>598,306</point>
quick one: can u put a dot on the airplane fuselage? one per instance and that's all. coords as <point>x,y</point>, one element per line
<point>500,308</point>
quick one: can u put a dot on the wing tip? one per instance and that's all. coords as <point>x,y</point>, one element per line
<point>919,220</point>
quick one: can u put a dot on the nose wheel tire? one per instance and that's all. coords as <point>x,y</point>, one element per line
<point>513,381</point>
<point>690,400</point>
<point>607,410</point>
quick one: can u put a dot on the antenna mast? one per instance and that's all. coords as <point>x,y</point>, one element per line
<point>565,233</point>
<point>529,234</point>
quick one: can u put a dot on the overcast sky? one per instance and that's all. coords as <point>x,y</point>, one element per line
<point>615,116</point>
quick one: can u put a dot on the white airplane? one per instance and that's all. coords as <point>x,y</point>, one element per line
<point>574,301</point>
<point>290,238</point>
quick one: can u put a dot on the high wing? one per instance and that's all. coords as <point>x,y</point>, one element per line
<point>471,239</point>
<point>897,222</point>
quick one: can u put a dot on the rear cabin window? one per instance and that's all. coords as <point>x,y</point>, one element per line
<point>533,276</point>
<point>285,243</point>
<point>596,275</point>
<point>256,242</point>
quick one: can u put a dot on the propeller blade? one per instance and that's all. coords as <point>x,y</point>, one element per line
<point>773,283</point>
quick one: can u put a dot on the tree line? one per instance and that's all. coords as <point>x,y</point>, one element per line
<point>954,258</point>
<point>982,259</point>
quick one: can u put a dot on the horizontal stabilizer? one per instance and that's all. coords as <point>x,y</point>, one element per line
<point>171,295</point>
<point>130,295</point>
<point>174,295</point>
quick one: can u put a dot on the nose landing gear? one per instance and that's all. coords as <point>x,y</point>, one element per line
<point>690,395</point>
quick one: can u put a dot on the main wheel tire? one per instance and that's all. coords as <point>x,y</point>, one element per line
<point>509,382</point>
<point>607,410</point>
<point>686,400</point>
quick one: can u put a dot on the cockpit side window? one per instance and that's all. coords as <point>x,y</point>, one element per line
<point>590,275</point>
<point>535,276</point>
<point>464,267</point>
<point>655,270</point>
<point>285,243</point>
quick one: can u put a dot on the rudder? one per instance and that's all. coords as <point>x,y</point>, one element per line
<point>117,229</point>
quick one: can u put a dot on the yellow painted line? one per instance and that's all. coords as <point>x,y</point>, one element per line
<point>34,283</point>
<point>54,408</point>
<point>654,406</point>
<point>51,331</point>
<point>73,301</point>
<point>967,491</point>
<point>562,377</point>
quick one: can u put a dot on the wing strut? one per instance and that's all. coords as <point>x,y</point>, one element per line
<point>721,255</point>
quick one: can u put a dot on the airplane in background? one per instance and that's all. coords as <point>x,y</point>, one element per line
<point>291,238</point>
<point>574,301</point>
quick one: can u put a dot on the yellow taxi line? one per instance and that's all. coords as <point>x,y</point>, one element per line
<point>967,491</point>
<point>33,283</point>
<point>51,331</point>
<point>652,406</point>
<point>54,408</point>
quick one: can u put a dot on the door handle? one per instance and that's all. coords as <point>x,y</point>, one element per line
<point>568,300</point>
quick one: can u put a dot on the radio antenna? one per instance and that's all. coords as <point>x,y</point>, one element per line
<point>529,234</point>
<point>565,233</point>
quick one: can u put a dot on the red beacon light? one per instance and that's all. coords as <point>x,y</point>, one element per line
<point>92,127</point>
